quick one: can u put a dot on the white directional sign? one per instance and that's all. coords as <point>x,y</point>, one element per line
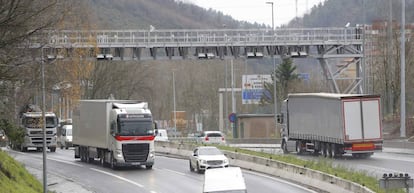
<point>253,87</point>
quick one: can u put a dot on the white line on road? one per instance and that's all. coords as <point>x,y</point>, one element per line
<point>176,172</point>
<point>119,177</point>
<point>66,162</point>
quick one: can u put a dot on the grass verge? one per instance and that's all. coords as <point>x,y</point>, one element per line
<point>324,165</point>
<point>14,178</point>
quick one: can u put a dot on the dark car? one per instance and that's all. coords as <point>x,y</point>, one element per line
<point>3,138</point>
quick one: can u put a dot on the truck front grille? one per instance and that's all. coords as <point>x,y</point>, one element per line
<point>40,132</point>
<point>135,152</point>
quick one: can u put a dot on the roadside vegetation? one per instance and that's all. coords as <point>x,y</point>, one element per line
<point>324,165</point>
<point>14,178</point>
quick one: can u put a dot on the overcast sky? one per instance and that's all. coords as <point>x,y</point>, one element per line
<point>257,10</point>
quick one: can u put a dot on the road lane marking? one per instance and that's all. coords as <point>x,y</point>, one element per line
<point>119,177</point>
<point>64,161</point>
<point>176,172</point>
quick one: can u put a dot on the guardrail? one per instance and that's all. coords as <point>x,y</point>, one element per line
<point>299,174</point>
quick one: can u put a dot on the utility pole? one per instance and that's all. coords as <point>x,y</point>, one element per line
<point>274,71</point>
<point>44,125</point>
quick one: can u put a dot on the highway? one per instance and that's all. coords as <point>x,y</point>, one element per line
<point>169,175</point>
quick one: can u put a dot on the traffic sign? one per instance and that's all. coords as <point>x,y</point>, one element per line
<point>232,117</point>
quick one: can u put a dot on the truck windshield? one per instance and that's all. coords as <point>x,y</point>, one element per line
<point>135,128</point>
<point>36,122</point>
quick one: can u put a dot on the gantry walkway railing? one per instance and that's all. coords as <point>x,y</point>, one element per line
<point>320,43</point>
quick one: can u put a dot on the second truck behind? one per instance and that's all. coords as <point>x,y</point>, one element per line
<point>332,124</point>
<point>117,132</point>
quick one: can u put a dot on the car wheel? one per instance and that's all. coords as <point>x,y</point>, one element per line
<point>148,167</point>
<point>199,170</point>
<point>191,167</point>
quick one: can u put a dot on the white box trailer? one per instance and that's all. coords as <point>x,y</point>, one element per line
<point>117,132</point>
<point>332,124</point>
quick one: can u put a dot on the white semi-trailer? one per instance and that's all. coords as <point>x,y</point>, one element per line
<point>331,124</point>
<point>117,132</point>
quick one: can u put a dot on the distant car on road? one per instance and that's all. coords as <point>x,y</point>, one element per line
<point>206,157</point>
<point>66,138</point>
<point>3,138</point>
<point>161,135</point>
<point>212,137</point>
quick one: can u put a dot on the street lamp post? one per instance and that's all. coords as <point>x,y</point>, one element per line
<point>274,71</point>
<point>44,125</point>
<point>175,112</point>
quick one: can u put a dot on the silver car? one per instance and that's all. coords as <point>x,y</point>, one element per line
<point>205,157</point>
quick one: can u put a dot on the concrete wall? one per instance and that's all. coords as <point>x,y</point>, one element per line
<point>299,174</point>
<point>253,126</point>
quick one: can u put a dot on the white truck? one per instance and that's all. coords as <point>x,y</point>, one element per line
<point>117,132</point>
<point>33,128</point>
<point>331,124</point>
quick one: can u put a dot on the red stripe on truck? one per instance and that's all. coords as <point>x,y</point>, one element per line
<point>134,138</point>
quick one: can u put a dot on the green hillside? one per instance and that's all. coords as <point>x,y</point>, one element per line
<point>14,178</point>
<point>336,13</point>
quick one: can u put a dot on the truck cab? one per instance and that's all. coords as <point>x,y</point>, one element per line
<point>33,127</point>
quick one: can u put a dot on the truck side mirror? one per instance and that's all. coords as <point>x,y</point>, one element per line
<point>279,118</point>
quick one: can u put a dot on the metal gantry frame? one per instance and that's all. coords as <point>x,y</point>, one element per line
<point>328,45</point>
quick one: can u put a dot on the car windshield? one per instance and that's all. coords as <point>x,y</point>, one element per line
<point>135,128</point>
<point>209,151</point>
<point>213,135</point>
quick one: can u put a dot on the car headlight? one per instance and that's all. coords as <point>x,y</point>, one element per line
<point>226,161</point>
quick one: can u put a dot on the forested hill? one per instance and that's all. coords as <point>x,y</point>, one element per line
<point>336,13</point>
<point>162,14</point>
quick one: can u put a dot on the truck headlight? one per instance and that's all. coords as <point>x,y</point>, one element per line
<point>203,161</point>
<point>118,154</point>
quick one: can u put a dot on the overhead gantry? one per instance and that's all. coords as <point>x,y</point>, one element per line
<point>330,46</point>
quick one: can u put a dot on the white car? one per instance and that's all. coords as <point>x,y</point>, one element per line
<point>219,180</point>
<point>206,157</point>
<point>161,135</point>
<point>212,137</point>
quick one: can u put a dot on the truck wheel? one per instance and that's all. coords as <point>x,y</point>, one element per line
<point>334,152</point>
<point>324,150</point>
<point>284,147</point>
<point>23,149</point>
<point>102,160</point>
<point>82,153</point>
<point>329,150</point>
<point>53,149</point>
<point>113,163</point>
<point>299,147</point>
